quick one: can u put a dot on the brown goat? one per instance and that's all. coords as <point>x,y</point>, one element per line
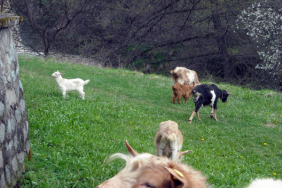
<point>180,90</point>
<point>184,76</point>
<point>146,170</point>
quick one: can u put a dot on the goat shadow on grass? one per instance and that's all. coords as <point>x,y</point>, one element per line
<point>70,94</point>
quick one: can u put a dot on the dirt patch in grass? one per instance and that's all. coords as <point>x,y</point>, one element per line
<point>270,125</point>
<point>269,94</point>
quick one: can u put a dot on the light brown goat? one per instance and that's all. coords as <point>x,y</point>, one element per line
<point>168,141</point>
<point>180,90</point>
<point>149,171</point>
<point>184,76</point>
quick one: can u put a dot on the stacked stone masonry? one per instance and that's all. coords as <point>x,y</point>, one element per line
<point>14,127</point>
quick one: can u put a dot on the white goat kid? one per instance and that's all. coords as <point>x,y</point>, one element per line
<point>70,84</point>
<point>168,141</point>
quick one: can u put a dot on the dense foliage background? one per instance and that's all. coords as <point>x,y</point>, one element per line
<point>234,41</point>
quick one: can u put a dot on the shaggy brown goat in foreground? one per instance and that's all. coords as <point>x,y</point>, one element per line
<point>149,171</point>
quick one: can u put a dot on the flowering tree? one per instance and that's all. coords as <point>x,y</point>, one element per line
<point>263,23</point>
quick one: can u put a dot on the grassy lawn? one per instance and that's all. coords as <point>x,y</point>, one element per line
<point>72,138</point>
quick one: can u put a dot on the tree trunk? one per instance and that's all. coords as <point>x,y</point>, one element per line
<point>2,5</point>
<point>219,36</point>
<point>46,43</point>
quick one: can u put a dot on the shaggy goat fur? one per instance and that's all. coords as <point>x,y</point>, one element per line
<point>184,76</point>
<point>70,84</point>
<point>180,90</point>
<point>146,170</point>
<point>168,141</point>
<point>265,183</point>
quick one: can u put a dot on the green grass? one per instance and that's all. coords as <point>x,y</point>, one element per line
<point>71,138</point>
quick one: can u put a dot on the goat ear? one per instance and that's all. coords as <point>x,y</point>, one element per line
<point>130,149</point>
<point>181,153</point>
<point>177,177</point>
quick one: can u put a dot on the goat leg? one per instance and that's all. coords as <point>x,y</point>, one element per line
<point>215,118</point>
<point>212,112</point>
<point>191,117</point>
<point>198,115</point>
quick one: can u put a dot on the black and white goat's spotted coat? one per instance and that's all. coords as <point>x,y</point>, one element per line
<point>207,95</point>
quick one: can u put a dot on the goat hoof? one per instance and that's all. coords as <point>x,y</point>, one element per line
<point>190,121</point>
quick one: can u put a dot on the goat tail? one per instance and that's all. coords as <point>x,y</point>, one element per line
<point>86,82</point>
<point>170,138</point>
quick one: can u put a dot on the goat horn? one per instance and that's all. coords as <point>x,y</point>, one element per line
<point>130,149</point>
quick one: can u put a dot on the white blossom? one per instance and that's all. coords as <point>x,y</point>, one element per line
<point>263,25</point>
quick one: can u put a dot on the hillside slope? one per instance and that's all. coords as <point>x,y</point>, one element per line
<point>72,138</point>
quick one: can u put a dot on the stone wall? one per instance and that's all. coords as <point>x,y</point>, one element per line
<point>14,128</point>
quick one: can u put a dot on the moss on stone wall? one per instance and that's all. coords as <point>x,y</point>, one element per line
<point>21,19</point>
<point>10,21</point>
<point>4,22</point>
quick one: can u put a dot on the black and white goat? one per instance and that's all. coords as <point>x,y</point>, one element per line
<point>207,95</point>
